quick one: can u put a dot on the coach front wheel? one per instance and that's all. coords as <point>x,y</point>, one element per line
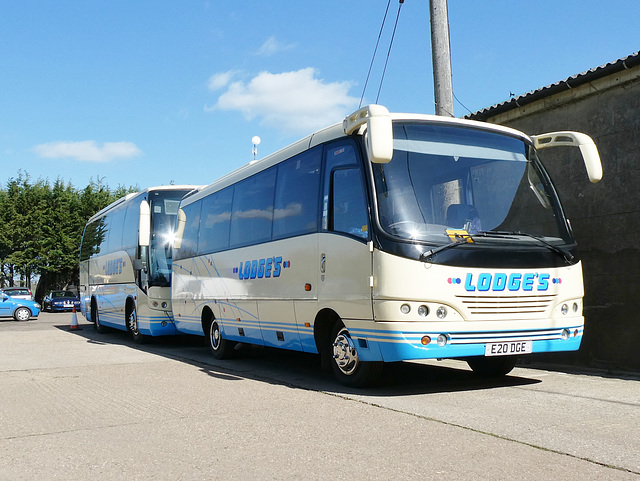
<point>492,366</point>
<point>347,366</point>
<point>132,325</point>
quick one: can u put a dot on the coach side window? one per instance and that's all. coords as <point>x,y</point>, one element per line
<point>344,207</point>
<point>252,213</point>
<point>216,221</point>
<point>296,204</point>
<point>348,203</point>
<point>93,238</point>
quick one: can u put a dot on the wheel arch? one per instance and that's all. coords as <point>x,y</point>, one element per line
<point>206,318</point>
<point>322,327</point>
<point>93,308</point>
<point>129,305</point>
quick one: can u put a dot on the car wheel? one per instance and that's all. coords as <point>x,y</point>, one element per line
<point>22,314</point>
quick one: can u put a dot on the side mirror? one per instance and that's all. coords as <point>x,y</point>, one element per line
<point>144,228</point>
<point>379,136</point>
<point>182,221</point>
<point>587,147</point>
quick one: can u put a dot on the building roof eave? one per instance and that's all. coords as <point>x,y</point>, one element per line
<point>555,88</point>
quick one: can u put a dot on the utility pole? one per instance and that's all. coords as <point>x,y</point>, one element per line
<point>441,55</point>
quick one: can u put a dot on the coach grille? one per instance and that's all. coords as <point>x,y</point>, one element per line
<point>527,306</point>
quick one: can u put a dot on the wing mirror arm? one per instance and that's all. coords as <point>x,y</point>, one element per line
<point>585,143</point>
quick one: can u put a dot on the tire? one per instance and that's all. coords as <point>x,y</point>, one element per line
<point>96,319</point>
<point>22,314</point>
<point>220,347</point>
<point>347,367</point>
<point>492,366</point>
<point>132,326</point>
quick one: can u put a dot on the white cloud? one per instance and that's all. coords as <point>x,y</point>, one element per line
<point>294,102</point>
<point>272,46</point>
<point>88,150</point>
<point>221,80</point>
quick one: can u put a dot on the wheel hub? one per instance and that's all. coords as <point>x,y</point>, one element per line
<point>345,354</point>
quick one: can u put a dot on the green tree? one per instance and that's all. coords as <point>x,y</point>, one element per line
<point>41,228</point>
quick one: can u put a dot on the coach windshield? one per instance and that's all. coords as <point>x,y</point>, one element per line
<point>448,179</point>
<point>164,210</point>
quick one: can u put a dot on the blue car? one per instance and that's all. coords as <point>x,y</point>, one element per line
<point>19,309</point>
<point>57,301</point>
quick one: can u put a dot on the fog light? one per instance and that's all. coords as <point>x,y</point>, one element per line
<point>425,340</point>
<point>405,308</point>
<point>441,312</point>
<point>575,307</point>
<point>565,334</point>
<point>564,309</point>
<point>442,340</point>
<point>423,311</point>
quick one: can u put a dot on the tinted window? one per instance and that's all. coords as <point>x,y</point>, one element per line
<point>94,239</point>
<point>252,214</point>
<point>130,228</point>
<point>216,221</point>
<point>337,154</point>
<point>115,220</point>
<point>296,204</point>
<point>349,207</point>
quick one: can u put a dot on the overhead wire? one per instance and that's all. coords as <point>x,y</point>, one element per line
<point>389,51</point>
<point>384,19</point>
<point>375,51</point>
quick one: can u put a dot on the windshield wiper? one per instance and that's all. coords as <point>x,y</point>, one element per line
<point>568,256</point>
<point>431,252</point>
<point>565,254</point>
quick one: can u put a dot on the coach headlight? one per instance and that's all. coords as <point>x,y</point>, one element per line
<point>441,312</point>
<point>564,309</point>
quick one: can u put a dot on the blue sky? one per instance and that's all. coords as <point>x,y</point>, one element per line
<point>141,92</point>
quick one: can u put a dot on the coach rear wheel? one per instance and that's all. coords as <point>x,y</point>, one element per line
<point>96,320</point>
<point>221,348</point>
<point>347,366</point>
<point>492,366</point>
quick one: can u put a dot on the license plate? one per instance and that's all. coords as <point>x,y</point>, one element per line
<point>68,304</point>
<point>510,348</point>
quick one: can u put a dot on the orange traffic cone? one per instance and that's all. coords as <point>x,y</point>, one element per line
<point>74,320</point>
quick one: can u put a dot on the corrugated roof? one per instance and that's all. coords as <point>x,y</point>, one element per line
<point>566,84</point>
